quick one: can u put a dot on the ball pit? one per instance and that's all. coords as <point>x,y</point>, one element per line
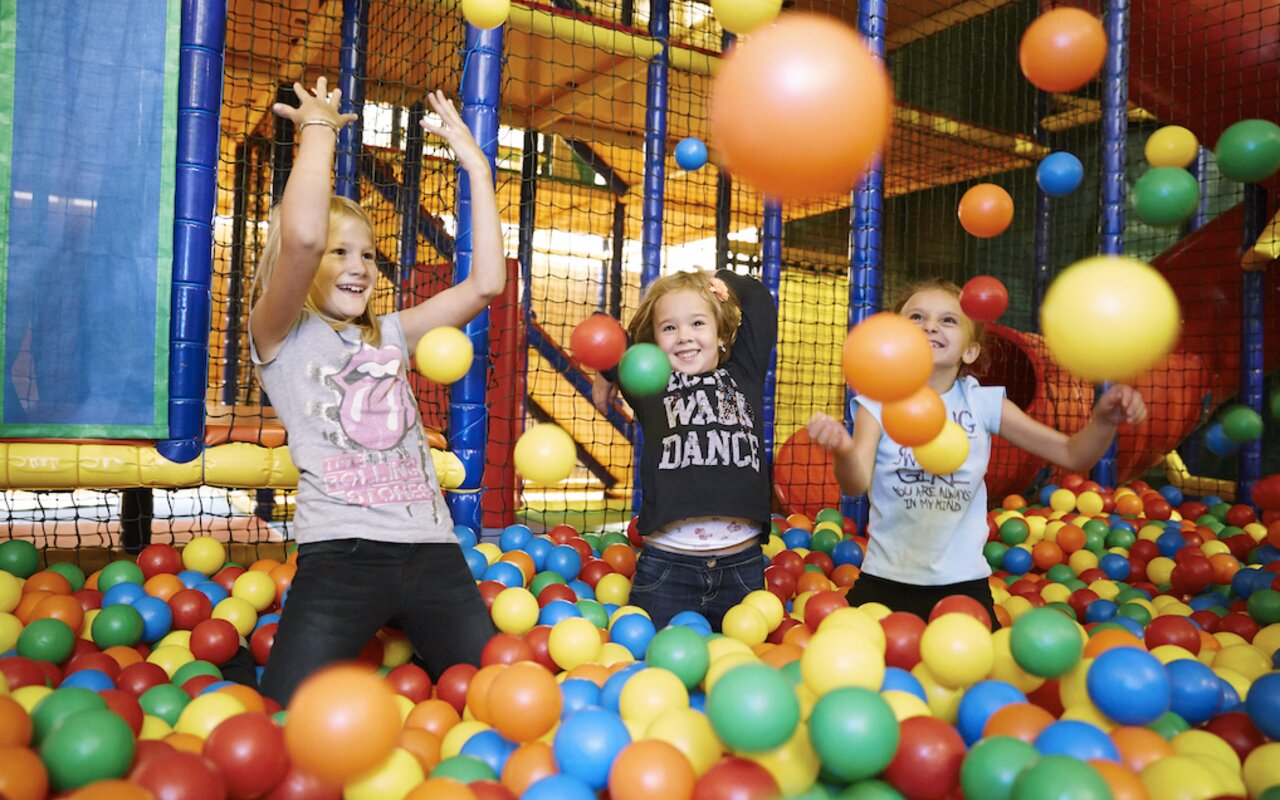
<point>1134,651</point>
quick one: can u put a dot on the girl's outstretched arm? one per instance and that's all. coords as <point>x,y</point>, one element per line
<point>303,217</point>
<point>1081,450</point>
<point>457,305</point>
<point>855,456</point>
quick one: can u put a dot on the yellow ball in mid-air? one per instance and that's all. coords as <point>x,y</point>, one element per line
<point>443,354</point>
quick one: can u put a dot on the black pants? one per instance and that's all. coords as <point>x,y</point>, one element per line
<point>667,583</point>
<point>346,590</point>
<point>918,600</point>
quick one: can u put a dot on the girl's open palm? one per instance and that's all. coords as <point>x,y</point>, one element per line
<point>455,132</point>
<point>317,104</point>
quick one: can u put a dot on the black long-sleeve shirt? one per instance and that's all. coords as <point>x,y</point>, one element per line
<point>703,451</point>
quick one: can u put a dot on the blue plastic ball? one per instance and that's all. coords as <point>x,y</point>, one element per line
<point>898,679</point>
<point>538,547</point>
<point>847,552</point>
<point>1172,494</point>
<point>514,537</point>
<point>1263,704</point>
<point>557,610</point>
<point>123,594</point>
<point>157,617</point>
<point>466,536</point>
<point>634,632</point>
<point>979,702</point>
<point>1059,174</point>
<point>1116,566</point>
<point>586,745</point>
<point>94,680</point>
<point>1046,492</point>
<point>490,747</point>
<point>505,573</point>
<point>1017,561</point>
<point>577,694</point>
<point>796,537</point>
<point>213,591</point>
<point>692,619</point>
<point>1129,685</point>
<point>1197,691</point>
<point>559,787</point>
<point>1218,443</point>
<point>1100,610</point>
<point>191,579</point>
<point>691,154</point>
<point>611,692</point>
<point>1080,740</point>
<point>582,589</point>
<point>565,560</point>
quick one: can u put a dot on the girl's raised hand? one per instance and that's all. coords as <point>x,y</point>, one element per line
<point>455,132</point>
<point>1119,404</point>
<point>829,433</point>
<point>320,105</point>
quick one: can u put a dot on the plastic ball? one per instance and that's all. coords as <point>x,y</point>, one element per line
<point>854,733</point>
<point>1172,146</point>
<point>916,420</point>
<point>599,340</point>
<point>786,118</point>
<point>248,749</point>
<point>946,453</point>
<point>50,640</point>
<point>928,760</point>
<point>649,693</point>
<point>96,745</point>
<point>444,354</point>
<point>992,766</point>
<point>1242,424</point>
<point>1129,685</point>
<point>734,778</point>
<point>587,743</point>
<point>753,708</point>
<point>887,358</point>
<point>204,554</point>
<point>573,642</point>
<point>1109,318</point>
<point>985,210</point>
<point>744,16</point>
<point>1062,50</point>
<point>545,453</point>
<point>984,298</point>
<point>19,558</point>
<point>956,648</point>
<point>682,651</point>
<point>486,14</point>
<point>1045,643</point>
<point>1249,150</point>
<point>1216,440</point>
<point>691,154</point>
<point>1166,196</point>
<point>1059,776</point>
<point>979,704</point>
<point>1059,174</point>
<point>529,699</point>
<point>342,721</point>
<point>514,610</point>
<point>650,768</point>
<point>644,369</point>
<point>841,656</point>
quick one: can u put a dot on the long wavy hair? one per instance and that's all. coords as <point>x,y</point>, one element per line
<point>727,313</point>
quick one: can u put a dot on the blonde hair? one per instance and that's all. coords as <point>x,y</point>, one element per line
<point>976,329</point>
<point>727,313</point>
<point>339,208</point>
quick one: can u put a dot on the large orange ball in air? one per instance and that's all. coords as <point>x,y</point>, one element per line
<point>887,358</point>
<point>1063,49</point>
<point>343,721</point>
<point>801,108</point>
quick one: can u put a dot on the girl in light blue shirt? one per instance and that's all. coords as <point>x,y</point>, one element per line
<point>927,531</point>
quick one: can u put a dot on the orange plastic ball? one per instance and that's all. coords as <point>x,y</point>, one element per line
<point>650,768</point>
<point>15,724</point>
<point>434,716</point>
<point>986,210</point>
<point>887,358</point>
<point>343,721</point>
<point>1020,720</point>
<point>1062,50</point>
<point>916,420</point>
<point>22,774</point>
<point>478,691</point>
<point>786,117</point>
<point>529,701</point>
<point>530,763</point>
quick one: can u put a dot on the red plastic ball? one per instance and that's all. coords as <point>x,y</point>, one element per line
<point>1266,493</point>
<point>261,641</point>
<point>125,705</point>
<point>1174,630</point>
<point>961,604</point>
<point>902,632</point>
<point>248,749</point>
<point>538,639</point>
<point>215,641</point>
<point>138,678</point>
<point>190,607</point>
<point>598,342</point>
<point>927,764</point>
<point>226,577</point>
<point>298,785</point>
<point>556,591</point>
<point>734,778</point>
<point>821,560</point>
<point>452,684</point>
<point>562,533</point>
<point>820,605</point>
<point>489,591</point>
<point>984,299</point>
<point>159,558</point>
<point>505,648</point>
<point>780,580</point>
<point>1240,515</point>
<point>1237,729</point>
<point>178,773</point>
<point>593,570</point>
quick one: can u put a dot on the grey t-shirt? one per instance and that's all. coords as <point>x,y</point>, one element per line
<point>365,469</point>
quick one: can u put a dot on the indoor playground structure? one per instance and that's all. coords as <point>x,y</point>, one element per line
<point>1100,176</point>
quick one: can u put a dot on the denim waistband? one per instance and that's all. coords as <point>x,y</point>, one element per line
<point>706,561</point>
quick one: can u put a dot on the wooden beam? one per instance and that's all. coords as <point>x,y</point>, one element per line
<point>555,104</point>
<point>962,12</point>
<point>1085,111</point>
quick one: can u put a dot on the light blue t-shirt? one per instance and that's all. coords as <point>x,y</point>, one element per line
<point>928,530</point>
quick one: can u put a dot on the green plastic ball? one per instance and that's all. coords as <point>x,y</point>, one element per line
<point>594,613</point>
<point>47,639</point>
<point>165,701</point>
<point>1242,424</point>
<point>88,746</point>
<point>854,732</point>
<point>19,557</point>
<point>1249,151</point>
<point>825,540</point>
<point>644,369</point>
<point>870,790</point>
<point>1169,725</point>
<point>1056,777</point>
<point>992,765</point>
<point>681,651</point>
<point>544,579</point>
<point>191,669</point>
<point>73,574</point>
<point>753,708</point>
<point>116,625</point>
<point>1264,606</point>
<point>58,706</point>
<point>1014,531</point>
<point>119,572</point>
<point>464,769</point>
<point>1045,642</point>
<point>829,515</point>
<point>994,552</point>
<point>1166,196</point>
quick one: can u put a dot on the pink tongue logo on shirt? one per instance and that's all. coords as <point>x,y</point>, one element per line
<point>377,407</point>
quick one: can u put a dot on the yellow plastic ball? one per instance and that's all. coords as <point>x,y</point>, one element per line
<point>545,454</point>
<point>1197,742</point>
<point>86,630</point>
<point>905,705</point>
<point>614,588</point>
<point>1179,776</point>
<point>1160,569</point>
<point>794,765</point>
<point>1082,560</point>
<point>859,619</point>
<point>1268,639</point>
<point>721,646</point>
<point>486,14</point>
<point>10,591</point>
<point>239,613</point>
<point>691,733</point>
<point>745,623</point>
<point>1171,146</point>
<point>458,735</point>
<point>393,779</point>
<point>572,642</point>
<point>1089,503</point>
<point>650,693</point>
<point>170,658</point>
<point>768,604</point>
<point>1262,768</point>
<point>774,546</point>
<point>489,550</point>
<point>206,712</point>
<point>840,657</point>
<point>1062,500</point>
<point>957,650</point>
<point>1245,659</point>
<point>153,729</point>
<point>10,628</point>
<point>1109,318</point>
<point>515,610</point>
<point>613,653</point>
<point>255,588</point>
<point>720,666</point>
<point>396,650</point>
<point>177,638</point>
<point>30,696</point>
<point>946,453</point>
<point>204,554</point>
<point>443,355</point>
<point>943,702</point>
<point>744,16</point>
<point>1006,668</point>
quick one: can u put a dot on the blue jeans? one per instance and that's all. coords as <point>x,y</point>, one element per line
<point>667,583</point>
<point>346,590</point>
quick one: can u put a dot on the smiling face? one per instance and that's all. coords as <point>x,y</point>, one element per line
<point>950,332</point>
<point>685,328</point>
<point>344,282</point>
